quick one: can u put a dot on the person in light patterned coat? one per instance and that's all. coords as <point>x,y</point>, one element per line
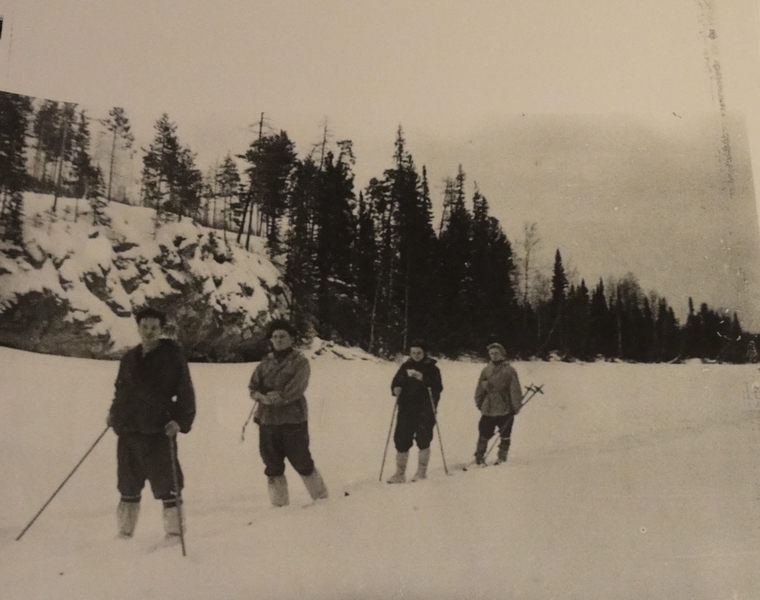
<point>278,385</point>
<point>498,397</point>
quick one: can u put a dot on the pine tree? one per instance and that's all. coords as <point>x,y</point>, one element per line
<point>46,131</point>
<point>118,124</point>
<point>271,160</point>
<point>65,152</point>
<point>82,169</point>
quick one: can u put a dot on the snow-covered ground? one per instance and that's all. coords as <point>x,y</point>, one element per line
<point>624,481</point>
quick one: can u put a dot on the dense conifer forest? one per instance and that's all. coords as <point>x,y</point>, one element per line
<point>368,267</point>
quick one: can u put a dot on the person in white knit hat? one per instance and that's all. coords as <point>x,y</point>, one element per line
<point>498,397</point>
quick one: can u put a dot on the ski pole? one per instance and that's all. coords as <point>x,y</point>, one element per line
<point>536,389</point>
<point>250,416</point>
<point>177,491</point>
<point>532,390</point>
<point>64,483</point>
<point>440,440</point>
<point>387,441</point>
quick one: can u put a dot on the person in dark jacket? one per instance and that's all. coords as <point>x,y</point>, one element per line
<point>417,387</point>
<point>498,397</point>
<point>278,385</point>
<point>153,401</point>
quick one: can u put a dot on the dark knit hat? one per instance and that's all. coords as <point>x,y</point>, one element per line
<point>418,344</point>
<point>150,313</point>
<point>280,325</point>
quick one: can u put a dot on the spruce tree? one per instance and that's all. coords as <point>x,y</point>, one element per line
<point>170,181</point>
<point>14,114</point>
<point>493,302</point>
<point>301,273</point>
<point>365,265</point>
<point>457,286</point>
<point>97,199</point>
<point>401,208</point>
<point>188,184</point>
<point>600,331</point>
<point>335,227</point>
<point>228,188</point>
<point>160,165</point>
<point>556,335</point>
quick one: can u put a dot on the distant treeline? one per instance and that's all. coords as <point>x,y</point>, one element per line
<point>372,267</point>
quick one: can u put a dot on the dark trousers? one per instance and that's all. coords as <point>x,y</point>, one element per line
<point>502,423</point>
<point>141,456</point>
<point>411,426</point>
<point>291,441</point>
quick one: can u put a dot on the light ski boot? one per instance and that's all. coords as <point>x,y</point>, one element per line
<point>278,490</point>
<point>126,517</point>
<point>315,485</point>
<point>424,459</point>
<point>174,524</point>
<point>503,450</point>
<point>400,476</point>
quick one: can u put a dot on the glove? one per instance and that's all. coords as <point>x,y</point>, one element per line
<point>259,397</point>
<point>396,391</point>
<point>171,428</point>
<point>413,373</point>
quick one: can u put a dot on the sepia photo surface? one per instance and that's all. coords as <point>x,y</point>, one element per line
<point>575,181</point>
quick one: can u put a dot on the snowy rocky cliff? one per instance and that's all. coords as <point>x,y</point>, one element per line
<point>73,290</point>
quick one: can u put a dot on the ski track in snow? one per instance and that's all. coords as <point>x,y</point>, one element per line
<point>623,481</point>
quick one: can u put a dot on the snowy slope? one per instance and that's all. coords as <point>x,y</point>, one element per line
<point>624,481</point>
<point>104,272</point>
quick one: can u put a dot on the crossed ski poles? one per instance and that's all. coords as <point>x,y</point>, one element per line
<point>532,390</point>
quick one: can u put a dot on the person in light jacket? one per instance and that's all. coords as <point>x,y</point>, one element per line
<point>278,385</point>
<point>498,397</point>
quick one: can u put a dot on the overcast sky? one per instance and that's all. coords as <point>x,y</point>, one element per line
<point>603,121</point>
